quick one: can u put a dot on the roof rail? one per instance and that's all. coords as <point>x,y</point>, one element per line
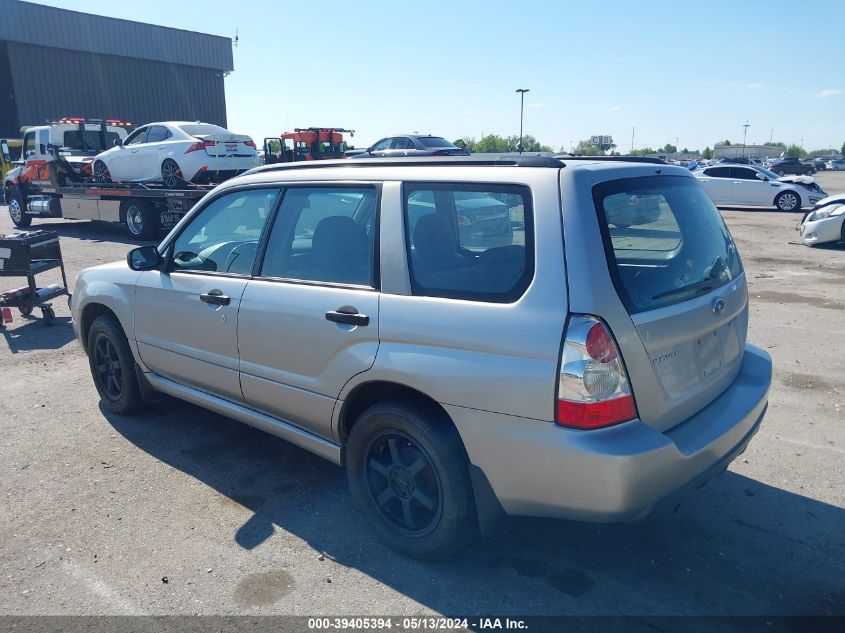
<point>613,159</point>
<point>494,160</point>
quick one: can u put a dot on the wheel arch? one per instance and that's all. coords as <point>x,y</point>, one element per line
<point>366,394</point>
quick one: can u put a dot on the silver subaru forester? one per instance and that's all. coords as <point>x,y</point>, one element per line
<point>472,338</point>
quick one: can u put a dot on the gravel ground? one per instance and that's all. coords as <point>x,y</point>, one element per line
<point>183,511</point>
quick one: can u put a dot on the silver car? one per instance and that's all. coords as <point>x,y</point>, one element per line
<point>590,362</point>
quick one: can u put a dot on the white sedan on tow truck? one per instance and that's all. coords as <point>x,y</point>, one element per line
<point>729,184</point>
<point>175,153</point>
<point>825,223</point>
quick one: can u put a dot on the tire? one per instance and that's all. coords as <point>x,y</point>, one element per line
<point>112,366</point>
<point>16,211</point>
<point>100,172</point>
<point>788,201</point>
<point>25,310</point>
<point>141,218</point>
<point>409,475</point>
<point>171,174</point>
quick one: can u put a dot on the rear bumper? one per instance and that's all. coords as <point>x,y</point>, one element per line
<point>620,473</point>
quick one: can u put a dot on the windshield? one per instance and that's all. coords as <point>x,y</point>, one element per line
<point>434,141</point>
<point>203,129</point>
<point>766,172</point>
<point>665,240</point>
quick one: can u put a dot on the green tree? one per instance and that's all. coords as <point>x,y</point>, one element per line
<point>725,142</point>
<point>707,154</point>
<point>460,143</point>
<point>669,149</point>
<point>842,151</point>
<point>795,150</point>
<point>644,151</point>
<point>777,144</point>
<point>586,148</point>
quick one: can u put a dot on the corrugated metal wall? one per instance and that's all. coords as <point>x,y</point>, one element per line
<point>50,83</point>
<point>59,28</point>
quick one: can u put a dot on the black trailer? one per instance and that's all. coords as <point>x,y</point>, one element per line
<point>27,255</point>
<point>144,209</point>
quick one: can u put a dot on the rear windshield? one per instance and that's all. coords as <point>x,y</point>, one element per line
<point>665,239</point>
<point>434,141</point>
<point>90,141</point>
<point>203,129</point>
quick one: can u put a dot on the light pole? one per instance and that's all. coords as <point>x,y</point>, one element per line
<point>521,92</point>
<point>745,135</point>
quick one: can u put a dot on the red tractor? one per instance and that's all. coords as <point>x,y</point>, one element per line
<point>311,143</point>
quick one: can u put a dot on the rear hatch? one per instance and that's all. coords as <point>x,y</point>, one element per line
<point>677,271</point>
<point>228,145</point>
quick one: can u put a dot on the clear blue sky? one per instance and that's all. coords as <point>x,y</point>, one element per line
<point>693,70</point>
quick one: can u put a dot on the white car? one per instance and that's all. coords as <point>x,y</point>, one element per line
<point>755,186</point>
<point>836,164</point>
<point>825,223</point>
<point>176,153</point>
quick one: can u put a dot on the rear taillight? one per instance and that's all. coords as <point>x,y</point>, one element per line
<point>593,389</point>
<point>250,144</point>
<point>198,146</point>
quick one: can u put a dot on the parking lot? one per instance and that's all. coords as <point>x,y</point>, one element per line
<point>183,511</point>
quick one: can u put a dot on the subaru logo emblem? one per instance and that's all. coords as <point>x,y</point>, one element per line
<point>718,306</point>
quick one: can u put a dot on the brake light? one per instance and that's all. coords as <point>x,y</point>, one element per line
<point>250,144</point>
<point>593,389</point>
<point>199,145</point>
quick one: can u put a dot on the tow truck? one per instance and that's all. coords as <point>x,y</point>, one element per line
<point>53,179</point>
<point>306,143</point>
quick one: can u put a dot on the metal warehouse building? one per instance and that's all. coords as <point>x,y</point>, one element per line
<point>56,63</point>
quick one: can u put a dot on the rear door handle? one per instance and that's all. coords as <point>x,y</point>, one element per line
<point>348,315</point>
<point>215,297</point>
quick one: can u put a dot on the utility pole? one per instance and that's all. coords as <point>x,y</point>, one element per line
<point>633,131</point>
<point>521,92</point>
<point>677,149</point>
<point>745,135</point>
<point>771,135</point>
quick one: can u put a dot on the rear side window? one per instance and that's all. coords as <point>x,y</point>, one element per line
<point>665,240</point>
<point>469,241</point>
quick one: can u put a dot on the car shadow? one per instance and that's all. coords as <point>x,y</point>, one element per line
<point>772,209</point>
<point>35,334</point>
<point>94,231</point>
<point>737,546</point>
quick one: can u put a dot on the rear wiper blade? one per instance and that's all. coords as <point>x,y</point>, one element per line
<point>704,285</point>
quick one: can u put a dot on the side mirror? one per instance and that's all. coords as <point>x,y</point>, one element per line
<point>118,142</point>
<point>4,150</point>
<point>760,176</point>
<point>144,258</point>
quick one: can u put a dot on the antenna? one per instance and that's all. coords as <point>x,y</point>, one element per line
<point>235,41</point>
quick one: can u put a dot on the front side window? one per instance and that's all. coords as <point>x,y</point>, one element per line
<point>382,145</point>
<point>665,240</point>
<point>224,236</point>
<point>136,137</point>
<point>469,241</point>
<point>324,234</point>
<point>743,173</point>
<point>29,144</point>
<point>718,172</point>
